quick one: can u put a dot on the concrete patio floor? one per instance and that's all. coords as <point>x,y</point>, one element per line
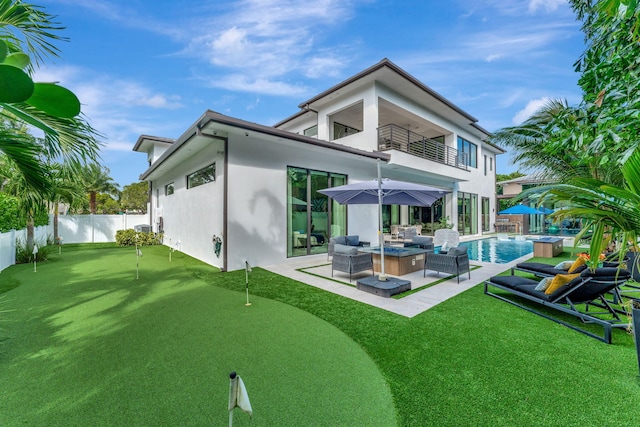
<point>315,270</point>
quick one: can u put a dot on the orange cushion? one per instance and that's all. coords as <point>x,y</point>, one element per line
<point>559,281</point>
<point>579,262</point>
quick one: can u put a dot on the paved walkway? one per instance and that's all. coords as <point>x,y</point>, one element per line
<point>408,306</point>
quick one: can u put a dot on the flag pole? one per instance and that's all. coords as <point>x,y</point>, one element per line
<point>232,392</point>
<point>247,270</point>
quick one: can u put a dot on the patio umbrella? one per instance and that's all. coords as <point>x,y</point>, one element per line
<point>520,210</point>
<point>393,193</point>
<point>384,192</point>
<point>545,211</point>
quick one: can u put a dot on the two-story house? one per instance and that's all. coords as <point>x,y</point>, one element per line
<point>254,188</point>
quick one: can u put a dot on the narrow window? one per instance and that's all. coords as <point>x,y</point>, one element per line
<point>168,189</point>
<point>202,176</point>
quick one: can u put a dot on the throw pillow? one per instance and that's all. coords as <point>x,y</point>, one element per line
<point>345,249</point>
<point>579,262</point>
<point>445,247</point>
<point>353,240</point>
<point>544,284</point>
<point>559,281</point>
<point>564,265</point>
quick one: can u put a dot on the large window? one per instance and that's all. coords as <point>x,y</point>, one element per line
<point>470,149</point>
<point>313,218</point>
<point>486,214</point>
<point>467,213</point>
<point>202,176</point>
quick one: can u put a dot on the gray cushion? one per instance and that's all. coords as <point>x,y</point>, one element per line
<point>353,240</point>
<point>339,240</point>
<point>344,249</point>
<point>422,240</point>
<point>458,250</point>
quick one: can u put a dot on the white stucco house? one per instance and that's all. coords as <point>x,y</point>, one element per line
<point>255,186</point>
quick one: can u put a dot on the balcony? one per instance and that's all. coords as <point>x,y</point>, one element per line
<point>394,137</point>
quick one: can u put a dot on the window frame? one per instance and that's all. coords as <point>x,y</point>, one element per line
<point>203,173</point>
<point>166,189</point>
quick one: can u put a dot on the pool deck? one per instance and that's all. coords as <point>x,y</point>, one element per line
<point>315,270</point>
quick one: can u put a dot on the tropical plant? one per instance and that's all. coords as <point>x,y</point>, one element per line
<point>96,179</point>
<point>47,106</point>
<point>610,213</point>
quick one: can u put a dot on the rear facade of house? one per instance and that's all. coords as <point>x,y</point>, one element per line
<point>253,189</point>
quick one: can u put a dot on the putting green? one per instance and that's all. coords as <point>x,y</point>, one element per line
<point>88,344</point>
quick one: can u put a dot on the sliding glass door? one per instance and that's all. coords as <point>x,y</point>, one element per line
<point>312,218</point>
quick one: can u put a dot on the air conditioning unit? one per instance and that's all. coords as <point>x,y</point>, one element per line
<point>142,228</point>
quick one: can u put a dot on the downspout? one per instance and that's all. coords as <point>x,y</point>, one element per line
<point>225,193</point>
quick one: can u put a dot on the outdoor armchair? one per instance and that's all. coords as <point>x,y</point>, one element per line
<point>422,242</point>
<point>353,240</point>
<point>455,261</point>
<point>348,260</point>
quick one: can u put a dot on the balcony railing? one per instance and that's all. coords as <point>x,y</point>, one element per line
<point>394,137</point>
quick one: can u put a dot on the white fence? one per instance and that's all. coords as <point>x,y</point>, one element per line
<point>72,229</point>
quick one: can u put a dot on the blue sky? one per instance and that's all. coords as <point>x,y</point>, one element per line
<point>153,67</point>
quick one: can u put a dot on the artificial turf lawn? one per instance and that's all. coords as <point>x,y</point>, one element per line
<point>471,360</point>
<point>90,345</point>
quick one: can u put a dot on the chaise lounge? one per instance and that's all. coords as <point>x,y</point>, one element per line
<point>586,288</point>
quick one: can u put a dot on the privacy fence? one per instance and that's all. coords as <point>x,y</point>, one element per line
<point>72,229</point>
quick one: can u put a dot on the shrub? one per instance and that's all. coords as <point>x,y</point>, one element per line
<point>130,237</point>
<point>25,255</point>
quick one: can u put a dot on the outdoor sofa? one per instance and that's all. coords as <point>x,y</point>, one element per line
<point>455,261</point>
<point>576,295</point>
<point>348,260</point>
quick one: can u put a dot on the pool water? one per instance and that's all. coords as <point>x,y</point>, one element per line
<point>497,251</point>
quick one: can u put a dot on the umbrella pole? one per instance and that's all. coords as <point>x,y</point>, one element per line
<point>382,277</point>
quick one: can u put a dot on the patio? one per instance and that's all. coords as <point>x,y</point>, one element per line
<point>315,271</point>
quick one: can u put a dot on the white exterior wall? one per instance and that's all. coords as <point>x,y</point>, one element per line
<point>192,216</point>
<point>257,221</point>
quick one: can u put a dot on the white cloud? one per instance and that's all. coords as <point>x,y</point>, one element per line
<point>242,83</point>
<point>531,108</point>
<point>547,5</point>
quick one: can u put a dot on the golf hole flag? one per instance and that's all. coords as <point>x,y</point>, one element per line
<point>238,396</point>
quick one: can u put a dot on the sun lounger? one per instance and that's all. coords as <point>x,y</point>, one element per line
<point>588,288</point>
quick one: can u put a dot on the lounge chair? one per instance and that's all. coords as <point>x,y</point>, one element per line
<point>503,237</point>
<point>353,240</point>
<point>588,288</point>
<point>455,261</point>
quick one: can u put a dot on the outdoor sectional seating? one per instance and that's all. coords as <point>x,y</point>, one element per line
<point>588,288</point>
<point>348,260</point>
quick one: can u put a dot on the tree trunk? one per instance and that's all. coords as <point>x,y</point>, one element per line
<point>30,234</point>
<point>55,222</point>
<point>92,202</point>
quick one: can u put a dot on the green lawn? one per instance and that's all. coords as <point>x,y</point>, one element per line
<point>90,345</point>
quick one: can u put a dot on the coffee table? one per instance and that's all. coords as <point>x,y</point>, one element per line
<point>397,261</point>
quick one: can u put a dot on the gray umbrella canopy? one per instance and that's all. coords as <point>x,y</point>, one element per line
<point>393,193</point>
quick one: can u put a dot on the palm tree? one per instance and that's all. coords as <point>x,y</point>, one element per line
<point>65,187</point>
<point>610,212</point>
<point>557,142</point>
<point>95,179</point>
<point>47,106</point>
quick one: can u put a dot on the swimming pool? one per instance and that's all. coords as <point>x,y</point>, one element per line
<point>497,251</point>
